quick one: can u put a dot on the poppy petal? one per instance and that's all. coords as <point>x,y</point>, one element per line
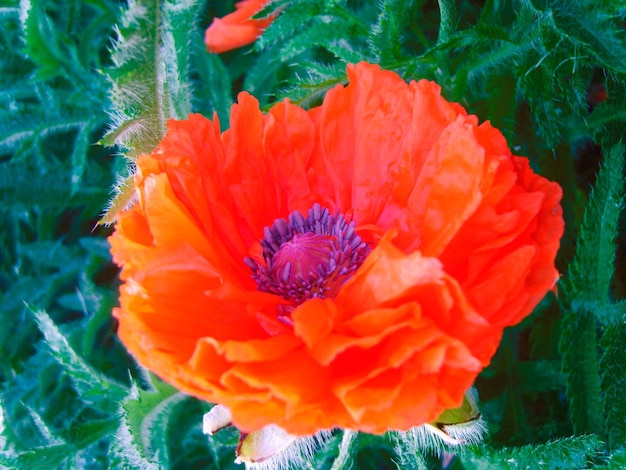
<point>426,238</point>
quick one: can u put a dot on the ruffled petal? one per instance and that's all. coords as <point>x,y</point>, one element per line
<point>374,107</point>
<point>462,234</point>
<point>379,332</point>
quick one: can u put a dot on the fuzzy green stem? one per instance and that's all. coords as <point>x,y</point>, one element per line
<point>343,458</point>
<point>158,72</point>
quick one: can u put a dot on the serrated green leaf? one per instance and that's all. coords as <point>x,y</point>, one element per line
<point>146,419</point>
<point>79,157</point>
<point>310,90</point>
<point>124,452</point>
<point>322,31</point>
<point>84,434</point>
<point>600,31</point>
<point>386,33</point>
<point>578,346</point>
<point>127,131</point>
<point>41,458</point>
<point>289,22</point>
<point>447,9</point>
<point>407,458</point>
<point>21,128</point>
<point>212,90</point>
<point>613,366</point>
<point>541,375</point>
<point>566,454</point>
<point>123,198</point>
<point>592,269</point>
<point>93,386</point>
<point>615,461</point>
<point>138,79</point>
<point>41,41</point>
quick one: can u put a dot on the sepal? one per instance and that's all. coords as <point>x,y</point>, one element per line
<point>453,428</point>
<point>269,448</point>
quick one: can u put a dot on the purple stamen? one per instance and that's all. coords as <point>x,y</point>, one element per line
<point>308,258</point>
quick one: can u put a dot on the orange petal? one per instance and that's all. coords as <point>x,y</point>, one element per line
<point>236,29</point>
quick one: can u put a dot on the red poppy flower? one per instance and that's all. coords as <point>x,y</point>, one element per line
<point>353,265</point>
<point>236,29</point>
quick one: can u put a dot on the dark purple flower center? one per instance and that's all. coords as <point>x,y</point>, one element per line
<point>308,257</point>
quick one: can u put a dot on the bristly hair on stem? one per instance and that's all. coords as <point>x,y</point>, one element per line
<point>148,81</point>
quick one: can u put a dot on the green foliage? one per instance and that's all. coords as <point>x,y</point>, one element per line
<point>148,79</point>
<point>58,409</point>
<point>344,457</point>
<point>613,364</point>
<point>581,364</point>
<point>571,453</point>
<point>53,184</point>
<point>148,75</point>
<point>211,86</point>
<point>592,269</point>
<point>593,368</point>
<point>62,53</point>
<point>89,383</point>
<point>617,461</point>
<point>141,440</point>
<point>551,74</point>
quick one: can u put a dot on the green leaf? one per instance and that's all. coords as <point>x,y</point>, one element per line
<point>578,346</point>
<point>600,31</point>
<point>142,439</point>
<point>592,269</point>
<point>447,10</point>
<point>93,386</point>
<point>149,80</point>
<point>176,44</point>
<point>212,88</point>
<point>138,79</point>
<point>125,453</point>
<point>613,366</point>
<point>385,37</point>
<point>541,375</point>
<point>587,292</point>
<point>24,127</point>
<point>79,157</point>
<point>407,458</point>
<point>310,89</point>
<point>615,461</point>
<point>42,44</point>
<point>566,454</point>
<point>290,21</point>
<point>124,197</point>
<point>40,458</point>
